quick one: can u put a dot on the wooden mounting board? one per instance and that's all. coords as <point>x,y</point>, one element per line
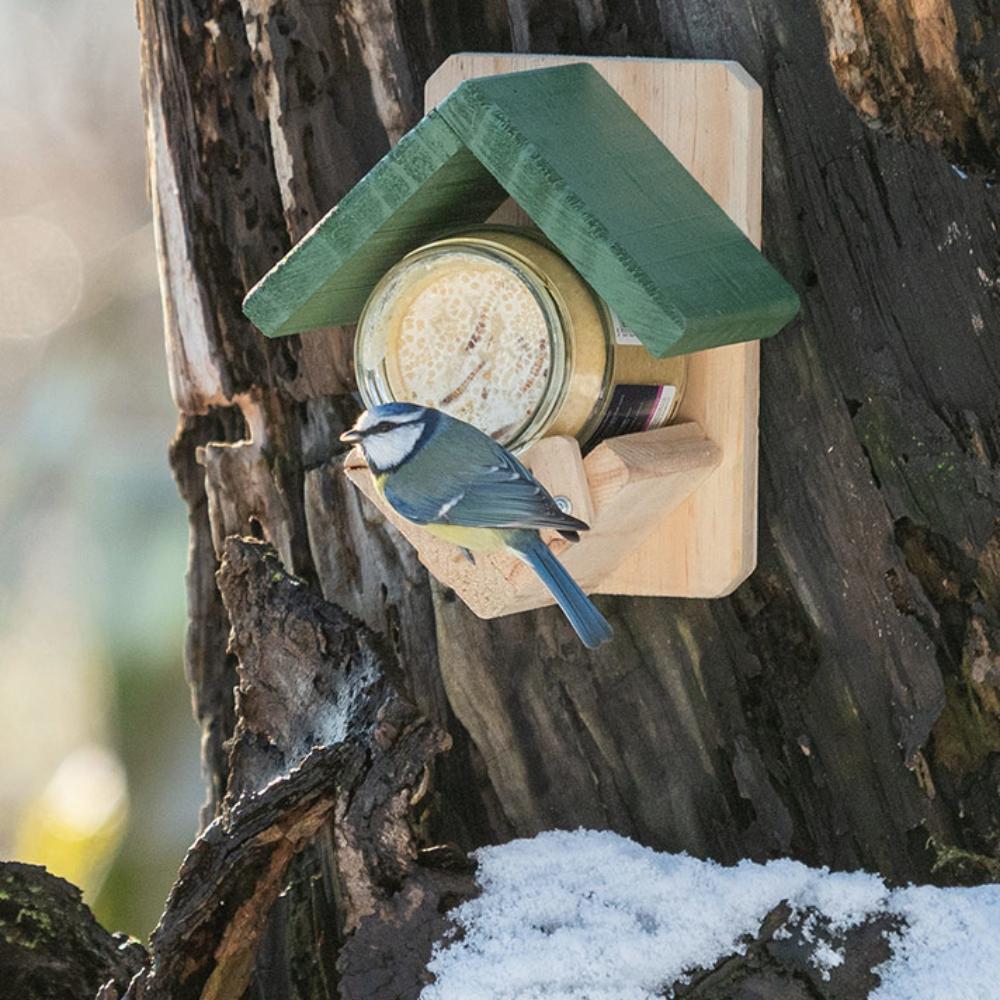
<point>709,114</point>
<point>681,519</point>
<point>619,489</point>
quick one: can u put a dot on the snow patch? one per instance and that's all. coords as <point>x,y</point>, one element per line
<point>594,916</point>
<point>949,948</point>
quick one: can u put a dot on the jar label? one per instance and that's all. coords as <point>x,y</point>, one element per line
<point>634,408</point>
<point>623,335</point>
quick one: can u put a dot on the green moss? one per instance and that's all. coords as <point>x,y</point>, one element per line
<point>956,866</point>
<point>921,476</point>
<point>39,917</point>
<point>28,928</point>
<point>964,735</point>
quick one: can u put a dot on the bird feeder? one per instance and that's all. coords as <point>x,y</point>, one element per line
<point>644,175</point>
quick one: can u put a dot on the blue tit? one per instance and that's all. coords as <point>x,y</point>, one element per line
<point>464,487</point>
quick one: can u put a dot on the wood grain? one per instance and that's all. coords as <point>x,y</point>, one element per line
<point>557,464</point>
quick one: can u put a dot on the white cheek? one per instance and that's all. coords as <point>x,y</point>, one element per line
<point>388,449</point>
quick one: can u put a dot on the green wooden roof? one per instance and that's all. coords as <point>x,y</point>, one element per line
<point>592,177</point>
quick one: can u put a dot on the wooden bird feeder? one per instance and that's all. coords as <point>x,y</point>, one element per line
<point>646,175</point>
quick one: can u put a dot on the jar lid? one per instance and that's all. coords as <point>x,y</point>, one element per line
<point>590,174</point>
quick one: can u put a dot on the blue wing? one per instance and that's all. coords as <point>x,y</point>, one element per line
<point>463,477</point>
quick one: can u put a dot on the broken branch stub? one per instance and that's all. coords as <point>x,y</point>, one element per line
<point>322,735</point>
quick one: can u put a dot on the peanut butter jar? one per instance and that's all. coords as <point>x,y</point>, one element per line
<point>494,326</point>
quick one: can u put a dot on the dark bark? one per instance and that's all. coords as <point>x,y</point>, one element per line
<point>321,733</point>
<point>842,707</point>
<point>51,947</point>
<point>778,964</point>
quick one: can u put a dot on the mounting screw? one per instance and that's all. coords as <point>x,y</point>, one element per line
<point>564,504</point>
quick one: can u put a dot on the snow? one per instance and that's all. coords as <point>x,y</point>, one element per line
<point>594,916</point>
<point>950,948</point>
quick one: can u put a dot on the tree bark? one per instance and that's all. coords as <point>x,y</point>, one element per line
<point>843,706</point>
<point>322,739</point>
<point>51,947</point>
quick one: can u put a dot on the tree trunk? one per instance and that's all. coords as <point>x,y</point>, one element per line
<point>843,706</point>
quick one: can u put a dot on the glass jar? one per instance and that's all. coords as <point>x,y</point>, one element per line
<point>495,326</point>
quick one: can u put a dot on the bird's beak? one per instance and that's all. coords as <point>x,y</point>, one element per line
<point>353,436</point>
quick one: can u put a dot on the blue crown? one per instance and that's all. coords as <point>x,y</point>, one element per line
<point>396,409</point>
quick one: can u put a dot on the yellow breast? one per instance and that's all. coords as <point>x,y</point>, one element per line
<point>475,539</point>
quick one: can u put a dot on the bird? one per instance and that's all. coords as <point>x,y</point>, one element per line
<point>466,488</point>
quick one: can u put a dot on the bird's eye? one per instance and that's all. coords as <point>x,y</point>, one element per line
<point>388,425</point>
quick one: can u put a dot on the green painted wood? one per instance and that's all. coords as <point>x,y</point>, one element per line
<point>600,184</point>
<point>428,183</point>
<point>590,174</point>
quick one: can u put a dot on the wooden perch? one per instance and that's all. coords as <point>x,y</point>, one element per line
<point>623,489</point>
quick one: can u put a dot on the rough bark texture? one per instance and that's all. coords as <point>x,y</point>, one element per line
<point>321,733</point>
<point>844,705</point>
<point>778,964</point>
<point>51,947</point>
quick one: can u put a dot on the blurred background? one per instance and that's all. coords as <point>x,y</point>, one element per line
<point>99,774</point>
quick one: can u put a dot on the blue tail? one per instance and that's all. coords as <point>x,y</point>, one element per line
<point>590,624</point>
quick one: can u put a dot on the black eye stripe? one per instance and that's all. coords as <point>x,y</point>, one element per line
<point>388,425</point>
